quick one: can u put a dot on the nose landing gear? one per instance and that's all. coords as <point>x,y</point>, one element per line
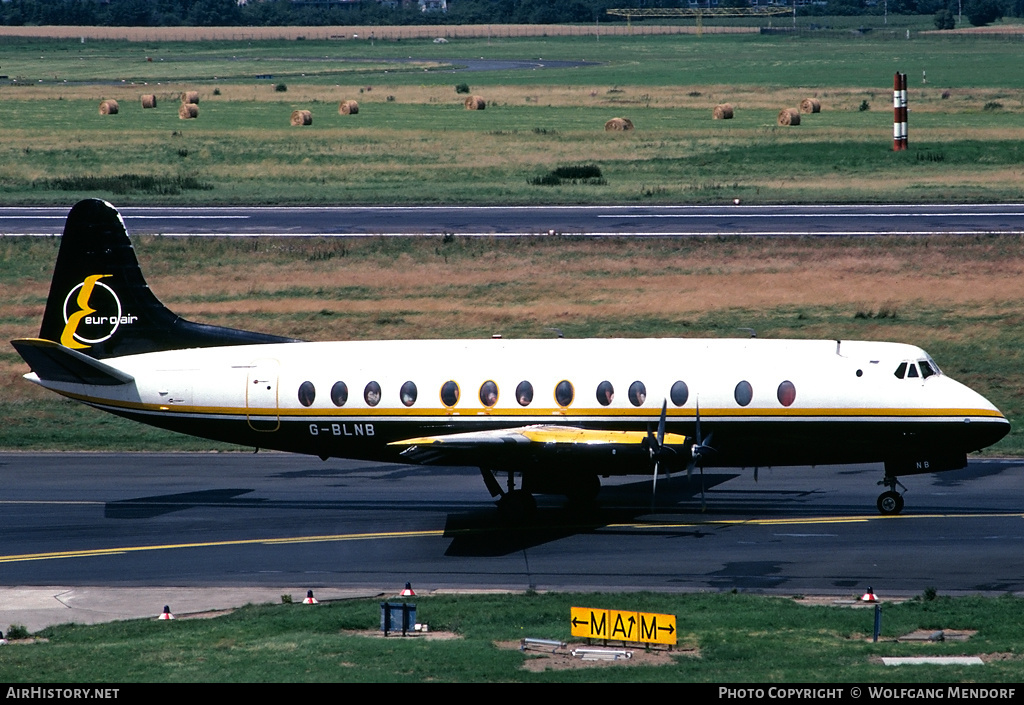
<point>890,502</point>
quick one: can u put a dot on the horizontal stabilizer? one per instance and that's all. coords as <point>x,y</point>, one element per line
<point>52,362</point>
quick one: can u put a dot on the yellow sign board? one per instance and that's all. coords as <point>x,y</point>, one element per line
<point>619,625</point>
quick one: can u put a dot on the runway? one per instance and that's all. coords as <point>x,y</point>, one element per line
<point>266,520</point>
<point>508,221</point>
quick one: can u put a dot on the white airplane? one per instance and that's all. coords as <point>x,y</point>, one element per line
<point>558,413</point>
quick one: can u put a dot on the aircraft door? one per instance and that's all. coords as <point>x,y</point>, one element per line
<point>261,401</point>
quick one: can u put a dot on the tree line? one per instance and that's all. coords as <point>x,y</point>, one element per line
<point>260,13</point>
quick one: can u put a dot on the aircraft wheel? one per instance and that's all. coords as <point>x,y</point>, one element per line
<point>517,506</point>
<point>890,503</point>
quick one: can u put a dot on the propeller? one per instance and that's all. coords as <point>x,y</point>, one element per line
<point>700,450</point>
<point>656,448</point>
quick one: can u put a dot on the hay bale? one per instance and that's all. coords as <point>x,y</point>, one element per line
<point>789,116</point>
<point>475,102</point>
<point>302,117</point>
<point>723,112</point>
<point>348,107</point>
<point>618,124</point>
<point>149,101</point>
<point>190,97</point>
<point>810,105</point>
<point>108,107</point>
<point>188,111</point>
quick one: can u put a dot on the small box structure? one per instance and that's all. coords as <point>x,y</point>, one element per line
<point>395,616</point>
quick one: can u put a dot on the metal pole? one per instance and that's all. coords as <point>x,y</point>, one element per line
<point>899,112</point>
<point>896,112</point>
<point>903,107</point>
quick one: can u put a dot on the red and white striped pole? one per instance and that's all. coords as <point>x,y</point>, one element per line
<point>899,109</point>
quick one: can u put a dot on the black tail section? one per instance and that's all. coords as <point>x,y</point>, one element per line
<point>100,304</point>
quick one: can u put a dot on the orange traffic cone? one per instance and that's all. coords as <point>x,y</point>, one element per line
<point>408,591</point>
<point>869,596</point>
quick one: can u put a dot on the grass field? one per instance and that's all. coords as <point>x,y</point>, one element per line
<point>722,638</point>
<point>413,133</point>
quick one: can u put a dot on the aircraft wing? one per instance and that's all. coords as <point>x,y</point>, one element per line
<point>53,362</point>
<point>531,443</point>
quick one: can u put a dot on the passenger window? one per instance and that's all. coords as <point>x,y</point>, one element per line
<point>488,393</point>
<point>564,393</point>
<point>449,393</point>
<point>605,393</point>
<point>787,393</point>
<point>339,393</point>
<point>408,393</point>
<point>744,393</point>
<point>901,371</point>
<point>307,393</point>
<point>679,393</point>
<point>371,395</point>
<point>524,393</point>
<point>637,394</point>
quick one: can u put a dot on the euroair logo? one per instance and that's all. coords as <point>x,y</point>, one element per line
<point>82,328</point>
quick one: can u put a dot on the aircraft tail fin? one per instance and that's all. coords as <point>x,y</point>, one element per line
<point>100,304</point>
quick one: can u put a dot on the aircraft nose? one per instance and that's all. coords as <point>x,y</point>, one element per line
<point>985,424</point>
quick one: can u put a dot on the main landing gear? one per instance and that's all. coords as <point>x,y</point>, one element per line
<point>514,505</point>
<point>890,502</point>
<point>519,506</point>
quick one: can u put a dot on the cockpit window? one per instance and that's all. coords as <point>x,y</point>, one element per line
<point>912,371</point>
<point>926,369</point>
<point>901,371</point>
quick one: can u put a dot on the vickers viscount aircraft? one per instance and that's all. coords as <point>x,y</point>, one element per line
<point>556,413</point>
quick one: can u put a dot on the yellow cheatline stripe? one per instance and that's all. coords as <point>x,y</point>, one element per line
<point>439,533</point>
<point>674,415</point>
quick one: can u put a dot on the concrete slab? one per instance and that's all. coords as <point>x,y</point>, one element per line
<point>933,660</point>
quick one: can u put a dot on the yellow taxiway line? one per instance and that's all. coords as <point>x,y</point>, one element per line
<point>439,533</point>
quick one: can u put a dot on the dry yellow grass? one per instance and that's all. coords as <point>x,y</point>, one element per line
<point>925,99</point>
<point>557,280</point>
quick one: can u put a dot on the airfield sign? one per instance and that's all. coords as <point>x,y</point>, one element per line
<point>621,625</point>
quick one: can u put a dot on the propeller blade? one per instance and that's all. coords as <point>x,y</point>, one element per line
<point>656,447</point>
<point>661,423</point>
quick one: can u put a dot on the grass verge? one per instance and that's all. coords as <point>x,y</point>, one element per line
<point>723,638</point>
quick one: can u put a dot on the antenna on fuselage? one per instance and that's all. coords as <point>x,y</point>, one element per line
<point>753,333</point>
<point>557,330</point>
